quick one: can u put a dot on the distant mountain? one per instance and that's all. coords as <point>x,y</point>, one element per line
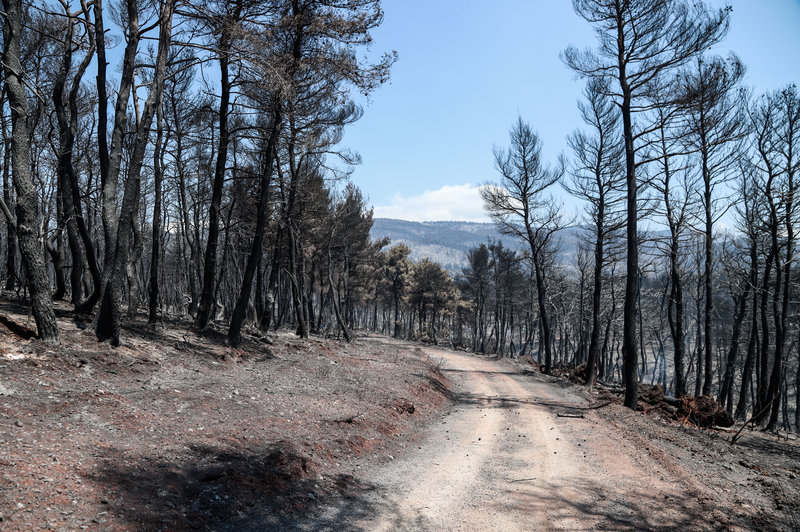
<point>448,242</point>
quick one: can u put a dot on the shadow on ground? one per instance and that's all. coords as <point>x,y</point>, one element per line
<point>211,488</point>
<point>581,504</point>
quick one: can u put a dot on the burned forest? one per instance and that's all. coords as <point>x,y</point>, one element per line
<point>175,173</point>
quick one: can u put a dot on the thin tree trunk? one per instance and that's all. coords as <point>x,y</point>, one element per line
<point>240,311</point>
<point>543,314</point>
<point>629,351</point>
<point>207,298</point>
<point>272,284</point>
<point>339,319</point>
<point>155,250</point>
<point>708,279</point>
<point>11,230</point>
<point>302,326</point>
<point>733,350</point>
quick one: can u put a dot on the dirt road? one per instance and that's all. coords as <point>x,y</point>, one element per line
<point>523,452</point>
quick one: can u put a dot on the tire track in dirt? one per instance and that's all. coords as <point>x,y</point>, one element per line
<point>503,459</point>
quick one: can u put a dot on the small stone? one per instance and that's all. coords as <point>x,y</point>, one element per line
<point>18,423</point>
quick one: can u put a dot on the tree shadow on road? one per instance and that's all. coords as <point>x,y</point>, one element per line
<point>499,401</point>
<point>582,504</point>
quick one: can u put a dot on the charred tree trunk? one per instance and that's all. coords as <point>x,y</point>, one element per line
<point>597,295</point>
<point>629,351</point>
<point>253,260</point>
<point>708,279</point>
<point>335,299</point>
<point>27,206</point>
<point>207,296</point>
<point>272,283</point>
<point>11,229</point>
<point>302,325</point>
<point>752,345</point>
<point>67,182</point>
<point>108,320</point>
<point>155,250</point>
<point>543,314</point>
<point>725,392</point>
<point>763,397</point>
<point>55,248</point>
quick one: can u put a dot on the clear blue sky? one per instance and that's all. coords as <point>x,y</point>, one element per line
<point>467,68</point>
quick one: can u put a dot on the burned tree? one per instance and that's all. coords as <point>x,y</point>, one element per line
<point>521,207</point>
<point>713,122</point>
<point>25,219</point>
<point>641,41</point>
<point>597,163</point>
<point>109,315</point>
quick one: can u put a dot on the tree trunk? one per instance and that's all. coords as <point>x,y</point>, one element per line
<point>597,294</point>
<point>543,315</point>
<point>272,284</point>
<point>27,206</point>
<point>155,250</point>
<point>708,277</point>
<point>762,395</point>
<point>207,298</point>
<point>339,319</point>
<point>253,260</point>
<point>302,325</point>
<point>629,351</point>
<point>11,230</point>
<point>67,126</point>
<point>55,247</point>
<point>750,358</point>
<point>108,320</point>
<point>733,350</point>
<point>396,294</point>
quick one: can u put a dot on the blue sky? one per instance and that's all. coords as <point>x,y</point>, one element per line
<point>467,68</point>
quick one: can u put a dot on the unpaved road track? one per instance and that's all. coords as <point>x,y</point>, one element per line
<point>504,459</point>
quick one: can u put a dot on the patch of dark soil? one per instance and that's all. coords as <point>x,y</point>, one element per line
<point>208,486</point>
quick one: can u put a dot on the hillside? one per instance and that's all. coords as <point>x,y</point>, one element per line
<point>448,242</point>
<point>177,431</point>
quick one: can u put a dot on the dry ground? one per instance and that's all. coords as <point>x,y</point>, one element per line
<point>177,431</point>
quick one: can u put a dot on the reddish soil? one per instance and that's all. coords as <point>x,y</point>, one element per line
<point>174,430</point>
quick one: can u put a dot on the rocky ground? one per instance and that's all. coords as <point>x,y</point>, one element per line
<point>177,431</point>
